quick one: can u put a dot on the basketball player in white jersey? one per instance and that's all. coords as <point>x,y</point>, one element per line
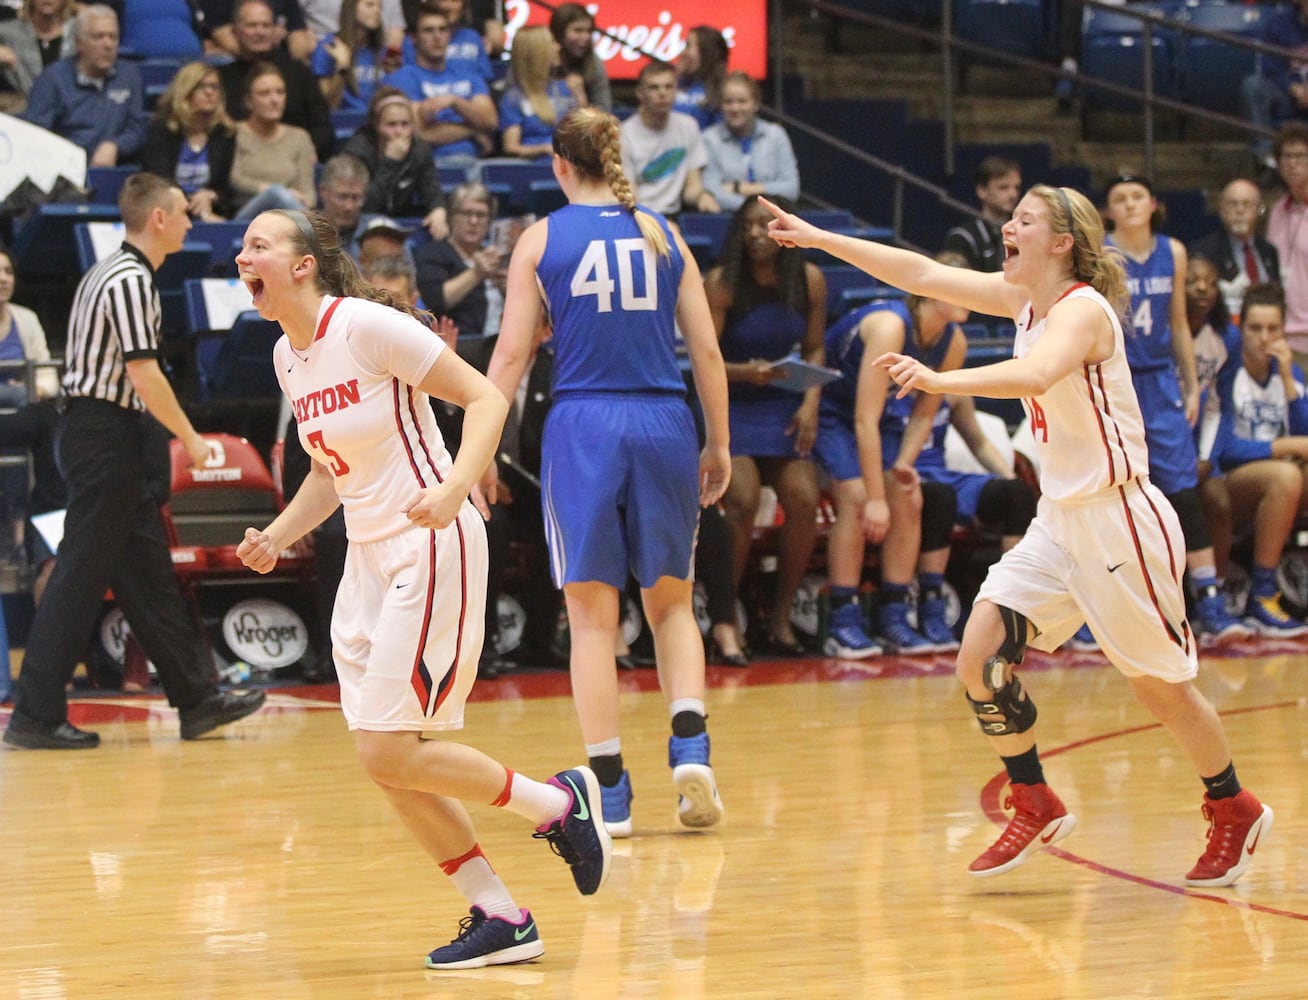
<point>1105,547</point>
<point>359,368</point>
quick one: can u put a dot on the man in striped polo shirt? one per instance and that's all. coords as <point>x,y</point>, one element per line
<point>113,532</point>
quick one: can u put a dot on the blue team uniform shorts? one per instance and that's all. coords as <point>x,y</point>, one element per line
<point>1173,460</point>
<point>836,448</point>
<point>620,488</point>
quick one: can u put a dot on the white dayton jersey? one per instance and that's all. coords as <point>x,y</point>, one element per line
<point>1089,433</point>
<point>358,413</point>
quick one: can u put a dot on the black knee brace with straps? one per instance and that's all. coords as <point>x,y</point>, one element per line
<point>1011,650</point>
<point>1008,712</point>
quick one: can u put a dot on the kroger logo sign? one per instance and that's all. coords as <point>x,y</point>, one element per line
<point>265,633</point>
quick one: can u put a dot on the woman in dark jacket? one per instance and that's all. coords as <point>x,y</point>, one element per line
<point>192,141</point>
<point>403,181</point>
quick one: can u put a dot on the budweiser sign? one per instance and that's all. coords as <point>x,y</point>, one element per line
<point>630,33</point>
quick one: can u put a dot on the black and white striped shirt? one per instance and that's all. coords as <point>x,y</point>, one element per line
<point>115,319</point>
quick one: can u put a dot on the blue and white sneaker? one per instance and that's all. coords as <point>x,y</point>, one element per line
<point>699,804</point>
<point>1216,626</point>
<point>846,639</point>
<point>933,627</point>
<point>897,635</point>
<point>484,941</point>
<point>1083,641</point>
<point>577,834</point>
<point>617,807</point>
<point>1266,616</point>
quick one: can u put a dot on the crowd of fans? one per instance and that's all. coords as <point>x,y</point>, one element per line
<point>247,123</point>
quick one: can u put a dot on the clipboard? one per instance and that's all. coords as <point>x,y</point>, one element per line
<point>797,375</point>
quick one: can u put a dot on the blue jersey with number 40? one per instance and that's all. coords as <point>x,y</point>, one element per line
<point>613,302</point>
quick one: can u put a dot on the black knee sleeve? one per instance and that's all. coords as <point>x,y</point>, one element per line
<point>1190,510</point>
<point>939,511</point>
<point>1006,505</point>
<point>1008,712</point>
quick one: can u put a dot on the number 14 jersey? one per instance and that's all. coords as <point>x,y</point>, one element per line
<point>1088,430</point>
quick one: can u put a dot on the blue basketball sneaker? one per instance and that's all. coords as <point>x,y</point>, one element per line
<point>699,805</point>
<point>1266,616</point>
<point>846,639</point>
<point>897,635</point>
<point>616,800</point>
<point>1083,641</point>
<point>484,941</point>
<point>577,835</point>
<point>1216,626</point>
<point>933,627</point>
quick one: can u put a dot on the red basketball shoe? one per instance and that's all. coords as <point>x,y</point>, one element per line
<point>1236,827</point>
<point>1039,821</point>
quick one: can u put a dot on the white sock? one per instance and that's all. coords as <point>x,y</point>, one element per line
<point>534,800</point>
<point>609,748</point>
<point>695,705</point>
<point>473,876</point>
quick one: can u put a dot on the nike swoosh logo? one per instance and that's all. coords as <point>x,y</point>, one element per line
<point>1114,569</point>
<point>1047,837</point>
<point>519,933</point>
<point>583,810</point>
<point>1250,848</point>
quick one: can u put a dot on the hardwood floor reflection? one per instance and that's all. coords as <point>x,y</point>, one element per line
<point>263,864</point>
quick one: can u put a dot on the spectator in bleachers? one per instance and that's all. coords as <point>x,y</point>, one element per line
<point>978,241</point>
<point>662,150</point>
<point>460,276</point>
<point>1216,345</point>
<point>22,338</point>
<point>349,63</point>
<point>537,97</point>
<point>864,444</point>
<point>747,155</point>
<point>288,29</point>
<point>257,41</point>
<point>274,161</point>
<point>1261,446</point>
<point>1160,352</point>
<point>453,107</point>
<point>573,27</point>
<point>93,99</point>
<point>1242,257</point>
<point>161,29</point>
<point>341,190</point>
<point>323,18</point>
<point>43,32</point>
<point>1286,231</point>
<point>402,177</point>
<point>768,302</point>
<point>466,54</point>
<point>381,237</point>
<point>191,140</point>
<point>1277,91</point>
<point>701,71</point>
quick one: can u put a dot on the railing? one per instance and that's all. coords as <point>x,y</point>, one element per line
<point>950,44</point>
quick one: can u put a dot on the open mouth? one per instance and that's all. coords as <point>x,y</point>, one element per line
<point>1010,251</point>
<point>255,286</point>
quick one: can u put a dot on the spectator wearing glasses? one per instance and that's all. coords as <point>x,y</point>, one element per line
<point>1241,256</point>
<point>1286,231</point>
<point>460,276</point>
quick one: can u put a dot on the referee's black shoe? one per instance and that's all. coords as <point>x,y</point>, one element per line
<point>28,734</point>
<point>218,710</point>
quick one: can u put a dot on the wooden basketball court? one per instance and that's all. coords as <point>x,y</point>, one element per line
<point>261,862</point>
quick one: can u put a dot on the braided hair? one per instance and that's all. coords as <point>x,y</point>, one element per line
<point>591,140</point>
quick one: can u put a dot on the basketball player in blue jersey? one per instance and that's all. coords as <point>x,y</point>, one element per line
<point>879,495</point>
<point>622,474</point>
<point>1104,545</point>
<point>1158,348</point>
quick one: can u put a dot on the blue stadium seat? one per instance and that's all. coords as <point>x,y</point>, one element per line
<point>835,218</point>
<point>706,224</point>
<point>222,237</point>
<point>242,367</point>
<point>514,178</point>
<point>1212,70</point>
<point>854,298</point>
<point>842,278</point>
<point>1016,27</point>
<point>45,245</point>
<point>1112,50</point>
<point>104,183</point>
<point>544,197</point>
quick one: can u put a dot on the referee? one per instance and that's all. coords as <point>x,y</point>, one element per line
<point>113,532</point>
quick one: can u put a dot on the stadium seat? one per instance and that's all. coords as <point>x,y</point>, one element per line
<point>544,197</point>
<point>1112,51</point>
<point>711,225</point>
<point>1015,27</point>
<point>224,239</point>
<point>842,278</point>
<point>104,183</point>
<point>45,245</point>
<point>94,240</point>
<point>242,366</point>
<point>511,181</point>
<point>1213,70</point>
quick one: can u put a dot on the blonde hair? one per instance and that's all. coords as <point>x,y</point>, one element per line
<point>591,140</point>
<point>174,107</point>
<point>532,59</point>
<point>1098,265</point>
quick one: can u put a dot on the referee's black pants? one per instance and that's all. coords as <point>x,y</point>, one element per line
<point>113,537</point>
